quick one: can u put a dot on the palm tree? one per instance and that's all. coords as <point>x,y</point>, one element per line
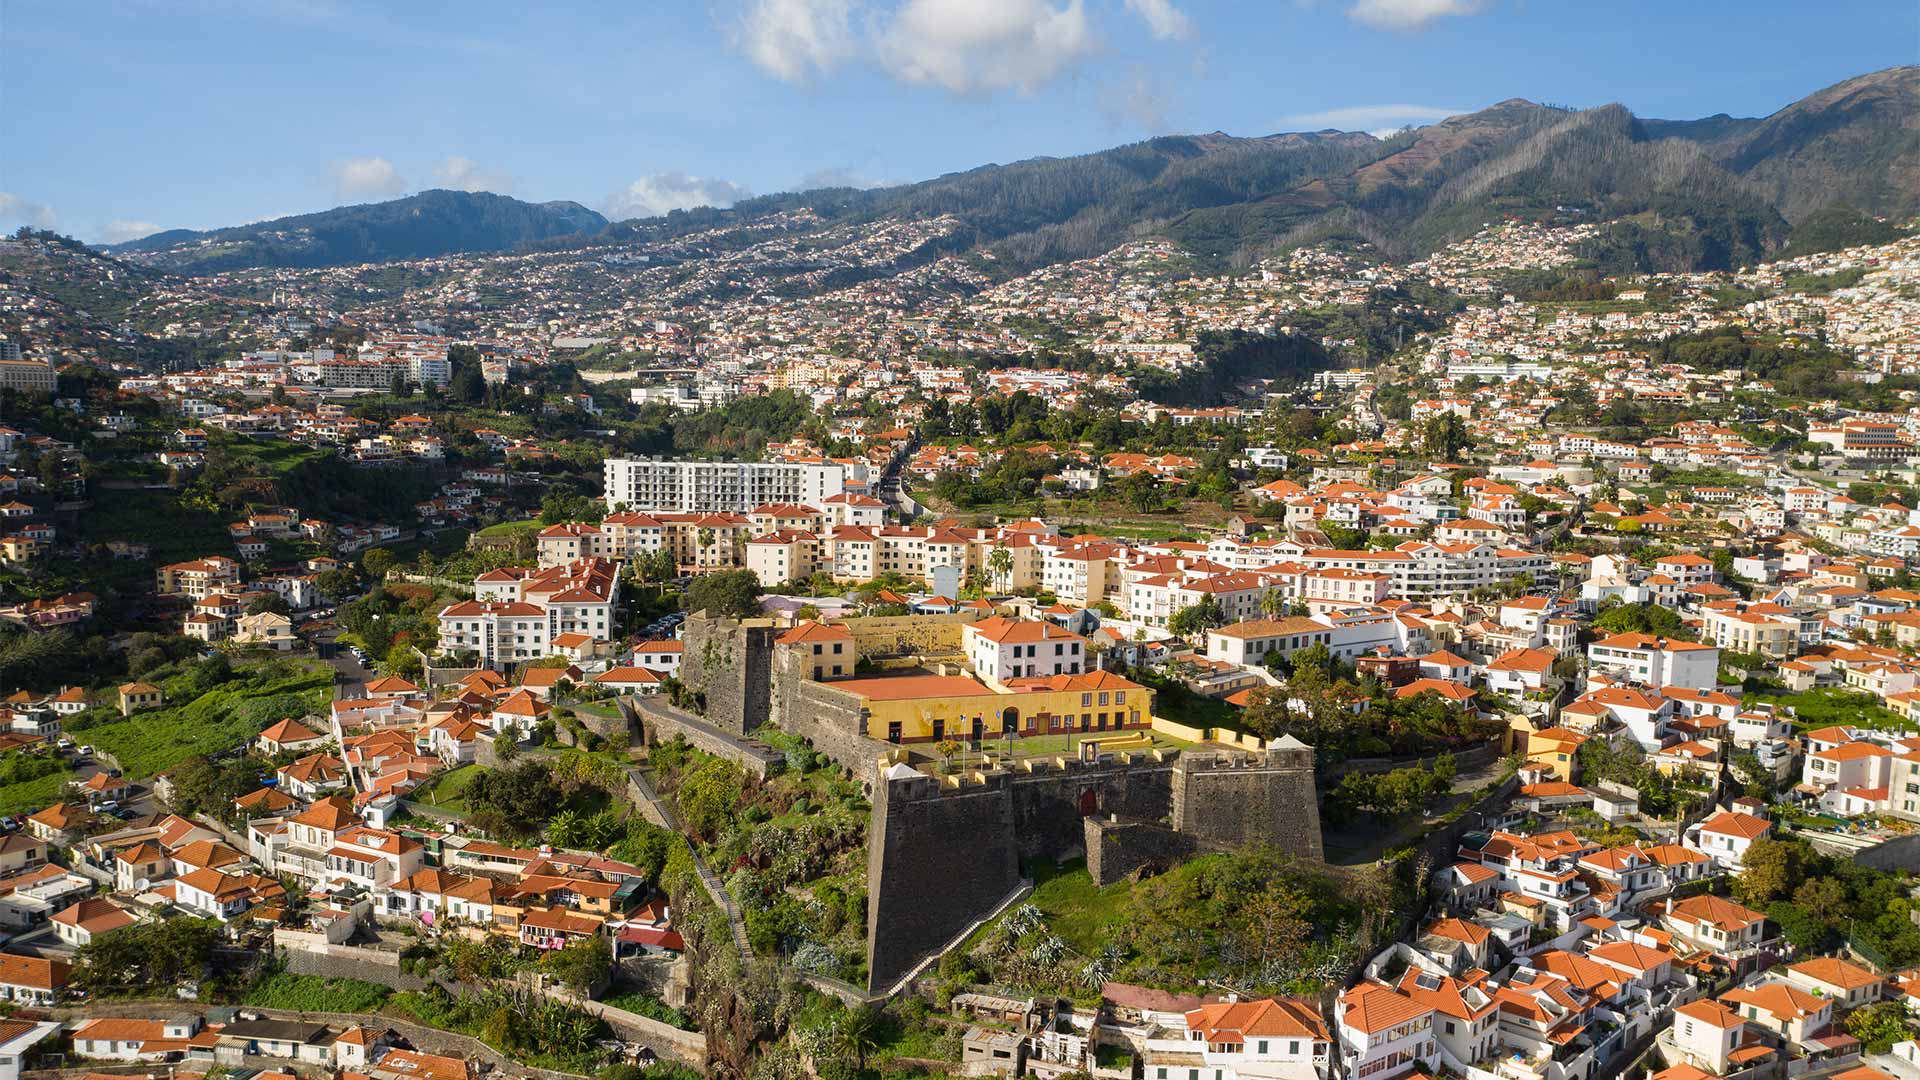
<point>859,1034</point>
<point>1001,563</point>
<point>705,537</point>
<point>1272,603</point>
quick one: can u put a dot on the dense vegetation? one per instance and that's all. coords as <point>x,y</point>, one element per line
<point>1231,359</point>
<point>1820,902</point>
<point>795,844</point>
<point>1257,920</point>
<point>419,226</point>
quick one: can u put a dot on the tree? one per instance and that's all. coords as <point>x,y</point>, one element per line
<point>1269,713</point>
<point>1140,491</point>
<point>505,746</point>
<point>1445,436</point>
<point>1273,603</point>
<point>580,964</point>
<point>657,566</point>
<point>469,383</point>
<point>1001,563</point>
<point>336,584</point>
<point>520,796</point>
<point>148,954</point>
<point>707,797</point>
<point>1196,618</point>
<point>272,603</point>
<point>859,1034</point>
<point>728,594</point>
<point>1772,869</point>
<point>402,660</point>
<point>1880,1025</point>
<point>201,786</point>
<point>376,562</point>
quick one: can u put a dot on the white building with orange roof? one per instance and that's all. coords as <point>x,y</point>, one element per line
<point>1541,872</point>
<point>1782,1008</point>
<point>1001,649</point>
<point>1851,777</point>
<point>1655,661</point>
<point>132,1039</point>
<point>1726,836</point>
<point>1268,1038</point>
<point>1705,1036</point>
<point>1383,1033</point>
<point>84,920</point>
<point>288,736</point>
<point>1717,925</point>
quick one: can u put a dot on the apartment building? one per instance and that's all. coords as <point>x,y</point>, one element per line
<point>1657,661</point>
<point>28,376</point>
<point>651,484</point>
<point>1420,570</point>
<point>200,578</point>
<point>517,612</point>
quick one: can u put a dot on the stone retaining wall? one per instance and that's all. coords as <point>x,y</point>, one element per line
<point>660,721</point>
<point>352,962</point>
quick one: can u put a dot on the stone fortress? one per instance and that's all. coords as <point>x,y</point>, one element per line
<point>944,850</point>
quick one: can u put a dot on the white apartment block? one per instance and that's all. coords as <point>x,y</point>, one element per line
<point>648,484</point>
<point>1655,661</point>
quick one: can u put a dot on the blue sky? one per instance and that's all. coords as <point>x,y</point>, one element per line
<point>120,118</point>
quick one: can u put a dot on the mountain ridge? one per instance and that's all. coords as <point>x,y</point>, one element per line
<point>423,225</point>
<point>1678,194</point>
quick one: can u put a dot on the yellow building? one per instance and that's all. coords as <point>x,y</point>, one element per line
<point>927,708</point>
<point>1555,748</point>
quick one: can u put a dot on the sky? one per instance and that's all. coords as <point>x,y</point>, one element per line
<point>119,118</point>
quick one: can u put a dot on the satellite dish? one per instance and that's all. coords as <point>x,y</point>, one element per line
<point>141,885</point>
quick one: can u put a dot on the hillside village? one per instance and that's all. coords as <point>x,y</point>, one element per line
<point>556,664</point>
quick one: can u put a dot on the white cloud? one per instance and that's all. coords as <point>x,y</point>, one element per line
<point>15,210</point>
<point>837,177</point>
<point>970,47</point>
<point>121,230</point>
<point>362,177</point>
<point>1374,118</point>
<point>651,196</point>
<point>1162,18</point>
<point>465,174</point>
<point>1139,100</point>
<point>795,40</point>
<point>1410,14</point>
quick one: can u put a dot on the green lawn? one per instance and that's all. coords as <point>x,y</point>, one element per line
<point>1830,706</point>
<point>1085,917</point>
<point>312,993</point>
<point>28,795</point>
<point>447,791</point>
<point>274,457</point>
<point>220,719</point>
<point>509,528</point>
<point>1177,703</point>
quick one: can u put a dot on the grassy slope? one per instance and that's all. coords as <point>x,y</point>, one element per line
<point>152,742</point>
